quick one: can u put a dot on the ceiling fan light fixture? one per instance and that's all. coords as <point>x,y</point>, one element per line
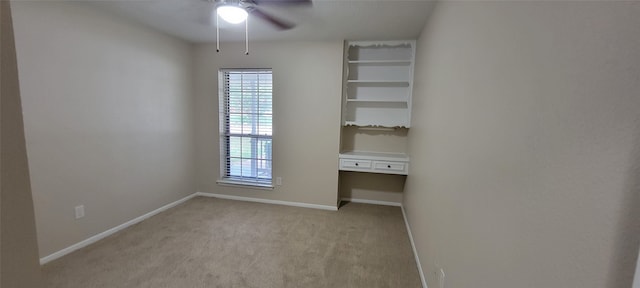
<point>232,14</point>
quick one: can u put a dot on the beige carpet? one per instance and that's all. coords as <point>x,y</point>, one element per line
<point>208,242</point>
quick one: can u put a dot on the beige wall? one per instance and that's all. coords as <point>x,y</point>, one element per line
<point>108,117</point>
<point>525,152</point>
<point>307,91</point>
<point>18,246</point>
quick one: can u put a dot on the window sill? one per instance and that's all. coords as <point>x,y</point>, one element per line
<point>251,185</point>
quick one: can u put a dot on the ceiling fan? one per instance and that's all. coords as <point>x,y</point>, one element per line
<point>238,10</point>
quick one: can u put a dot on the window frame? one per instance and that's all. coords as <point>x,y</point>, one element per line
<point>224,136</point>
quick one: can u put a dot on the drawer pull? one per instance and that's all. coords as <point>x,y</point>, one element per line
<point>356,164</point>
<point>388,166</point>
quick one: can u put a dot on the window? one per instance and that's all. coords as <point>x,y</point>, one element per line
<point>246,125</point>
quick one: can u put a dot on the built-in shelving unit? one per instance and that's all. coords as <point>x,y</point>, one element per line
<point>378,83</point>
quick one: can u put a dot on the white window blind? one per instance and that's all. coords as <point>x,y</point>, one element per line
<point>246,125</point>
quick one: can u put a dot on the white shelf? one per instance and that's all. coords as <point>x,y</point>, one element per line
<point>377,101</point>
<point>380,81</point>
<point>380,50</point>
<point>371,155</point>
<point>401,62</point>
<point>381,125</point>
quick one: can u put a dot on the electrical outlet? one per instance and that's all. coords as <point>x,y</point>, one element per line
<point>279,181</point>
<point>79,211</point>
<point>440,277</point>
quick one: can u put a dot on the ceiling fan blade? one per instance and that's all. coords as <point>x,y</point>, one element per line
<point>282,2</point>
<point>279,23</point>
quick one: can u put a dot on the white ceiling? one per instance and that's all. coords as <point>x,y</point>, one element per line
<point>324,20</point>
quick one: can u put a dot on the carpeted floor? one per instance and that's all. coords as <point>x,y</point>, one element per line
<point>209,242</point>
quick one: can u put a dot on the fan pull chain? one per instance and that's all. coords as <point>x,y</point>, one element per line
<point>217,33</point>
<point>246,36</point>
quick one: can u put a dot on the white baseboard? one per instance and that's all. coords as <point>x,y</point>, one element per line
<point>111,231</point>
<point>267,201</point>
<point>375,202</point>
<point>415,252</point>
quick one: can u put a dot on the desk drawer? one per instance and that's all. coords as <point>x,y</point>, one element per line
<point>355,164</point>
<point>389,166</point>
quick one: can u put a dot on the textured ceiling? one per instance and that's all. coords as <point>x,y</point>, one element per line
<point>324,20</point>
